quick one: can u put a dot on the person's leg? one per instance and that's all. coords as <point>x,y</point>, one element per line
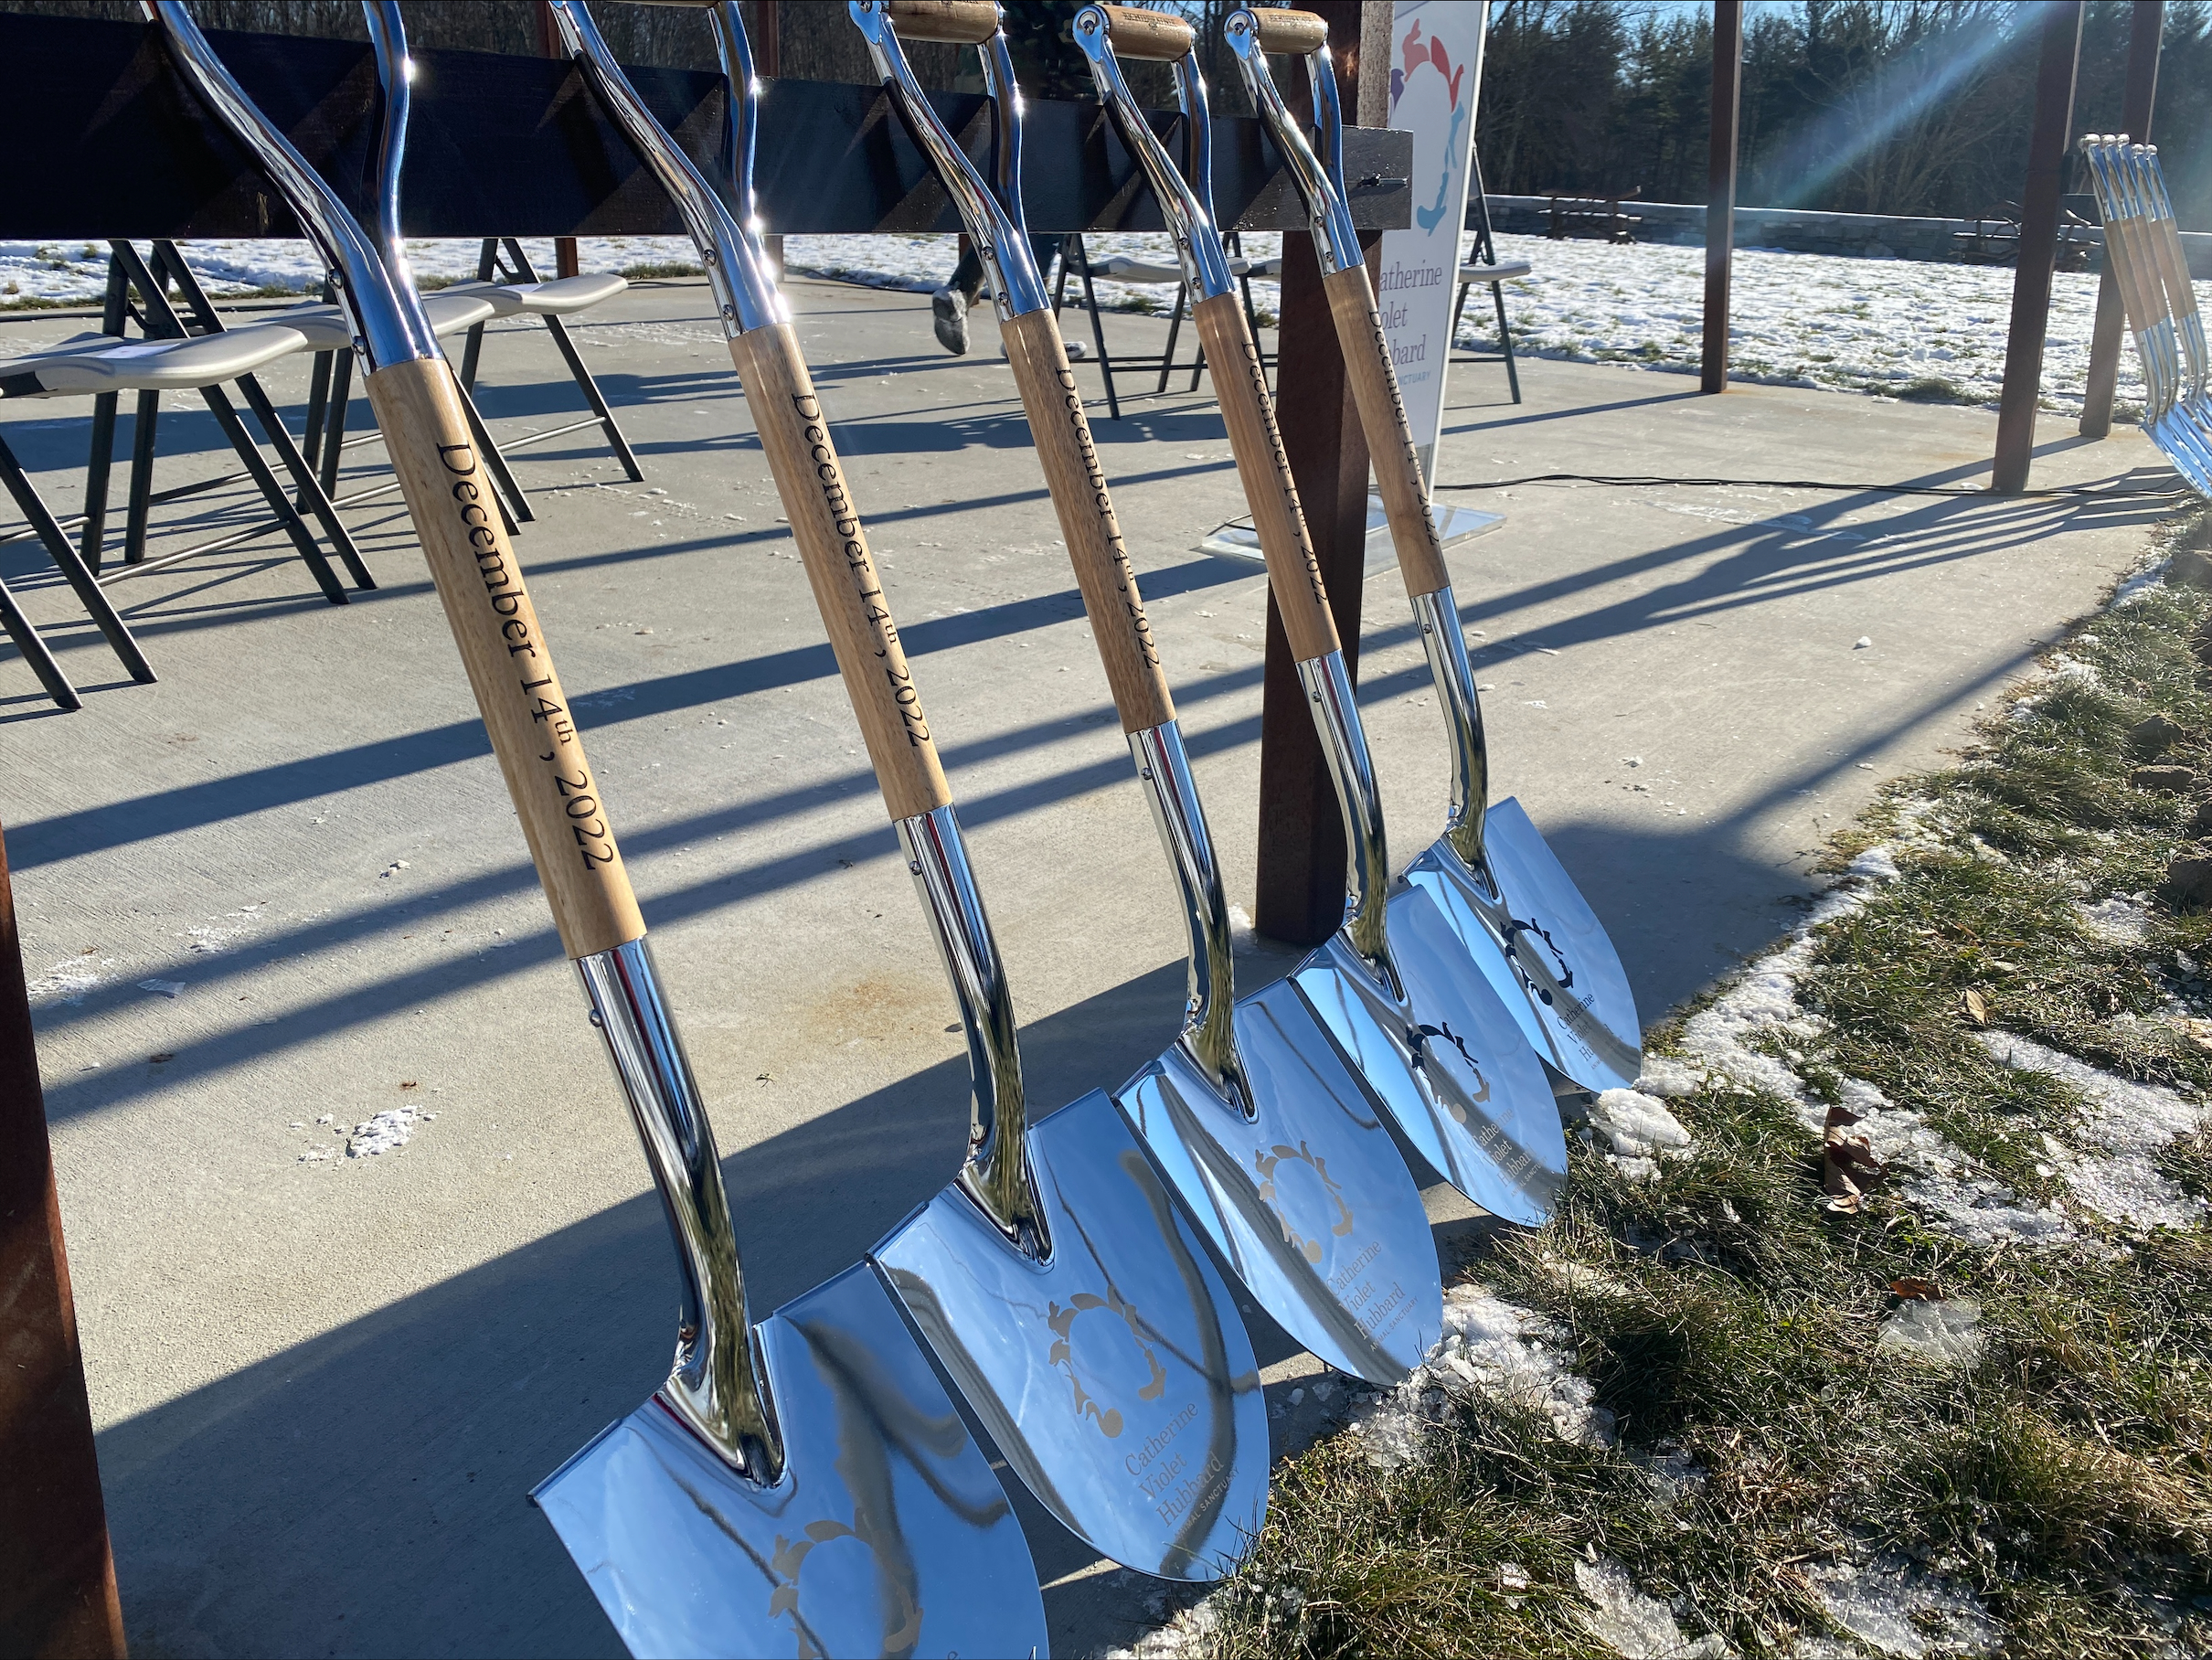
<point>949,306</point>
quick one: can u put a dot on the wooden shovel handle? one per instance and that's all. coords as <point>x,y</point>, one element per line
<point>1137,31</point>
<point>1062,435</point>
<point>1382,414</point>
<point>1241,384</point>
<point>1284,31</point>
<point>509,665</point>
<point>958,22</point>
<point>781,394</point>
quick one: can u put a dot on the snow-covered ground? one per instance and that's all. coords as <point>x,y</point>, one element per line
<point>1889,327</point>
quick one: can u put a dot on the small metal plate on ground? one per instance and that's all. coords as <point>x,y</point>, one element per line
<point>1237,539</point>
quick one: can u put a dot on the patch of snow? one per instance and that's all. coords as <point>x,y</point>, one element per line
<point>1633,1624</point>
<point>1876,864</point>
<point>1640,1128</point>
<point>1893,1608</point>
<point>1496,1349</point>
<point>1946,1184</point>
<point>1941,1331</point>
<point>388,1130</point>
<point>2141,582</point>
<point>2122,920</point>
<point>1668,1078</point>
<point>69,980</point>
<point>2126,1123</point>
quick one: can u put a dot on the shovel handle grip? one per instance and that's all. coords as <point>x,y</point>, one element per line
<point>1301,599</point>
<point>1298,33</point>
<point>1137,31</point>
<point>957,22</point>
<point>1382,414</point>
<point>510,668</point>
<point>847,592</point>
<point>1062,436</point>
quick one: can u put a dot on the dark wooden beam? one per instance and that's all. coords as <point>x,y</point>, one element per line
<point>504,145</point>
<point>1300,896</point>
<point>2058,58</point>
<point>1720,190</point>
<point>2146,25</point>
<point>57,1572</point>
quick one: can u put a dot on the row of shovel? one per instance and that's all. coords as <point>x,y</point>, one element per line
<point>2142,249</point>
<point>804,1482</point>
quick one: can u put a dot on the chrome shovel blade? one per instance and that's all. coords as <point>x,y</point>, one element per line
<point>1574,987</point>
<point>1308,1201</point>
<point>1450,1062</point>
<point>1115,1376</point>
<point>883,1495</point>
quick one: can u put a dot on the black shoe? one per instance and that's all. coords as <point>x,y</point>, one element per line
<point>949,316</point>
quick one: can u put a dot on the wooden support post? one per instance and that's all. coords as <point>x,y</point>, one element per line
<point>2146,24</point>
<point>2059,33</point>
<point>57,1573</point>
<point>1301,897</point>
<point>565,264</point>
<point>1720,190</point>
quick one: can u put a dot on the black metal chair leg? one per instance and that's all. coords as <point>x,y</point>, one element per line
<point>513,503</point>
<point>73,569</point>
<point>589,388</point>
<point>527,272</point>
<point>317,501</point>
<point>98,464</point>
<point>272,491</point>
<point>35,653</point>
<point>1513,374</point>
<point>144,419</point>
<point>318,401</point>
<point>333,429</point>
<point>1097,332</point>
<point>101,461</point>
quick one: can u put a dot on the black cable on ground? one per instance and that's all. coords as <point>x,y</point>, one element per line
<point>1635,481</point>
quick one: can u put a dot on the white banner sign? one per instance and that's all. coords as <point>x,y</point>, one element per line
<point>1436,71</point>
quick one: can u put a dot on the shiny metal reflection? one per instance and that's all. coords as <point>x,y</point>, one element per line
<point>886,1534</point>
<point>1115,1375</point>
<point>1424,1025</point>
<point>1448,1062</point>
<point>1272,1142</point>
<point>1306,1198</point>
<point>1533,917</point>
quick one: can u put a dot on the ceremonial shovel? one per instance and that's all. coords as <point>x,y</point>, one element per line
<point>1054,1277</point>
<point>1267,1134</point>
<point>1517,911</point>
<point>799,1485</point>
<point>1393,983</point>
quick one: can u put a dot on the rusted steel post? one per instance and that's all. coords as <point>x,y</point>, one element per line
<point>2059,33</point>
<point>57,1573</point>
<point>1301,897</point>
<point>2146,24</point>
<point>1720,190</point>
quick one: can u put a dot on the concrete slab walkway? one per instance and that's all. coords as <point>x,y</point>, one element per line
<point>285,884</point>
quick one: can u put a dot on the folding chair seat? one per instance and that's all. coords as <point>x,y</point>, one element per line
<point>512,284</point>
<point>1122,268</point>
<point>1496,273</point>
<point>97,365</point>
<point>330,390</point>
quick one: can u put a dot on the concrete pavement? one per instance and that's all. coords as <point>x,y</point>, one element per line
<point>325,1383</point>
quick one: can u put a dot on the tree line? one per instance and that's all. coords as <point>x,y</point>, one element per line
<point>1857,106</point>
